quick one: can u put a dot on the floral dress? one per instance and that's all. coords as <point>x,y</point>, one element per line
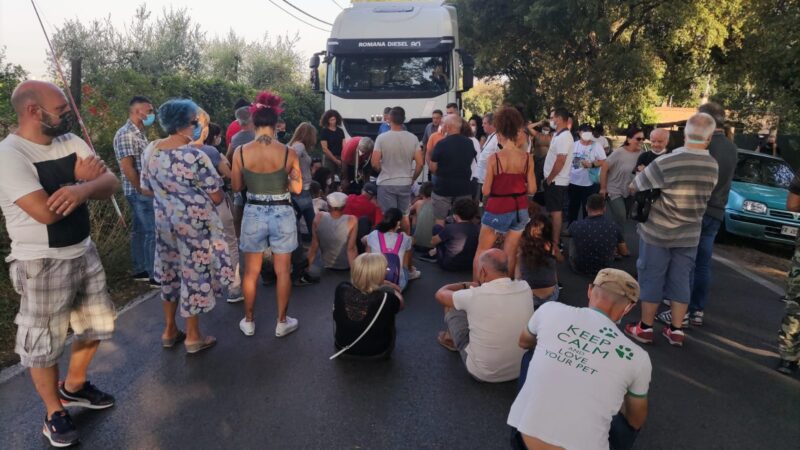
<point>192,261</point>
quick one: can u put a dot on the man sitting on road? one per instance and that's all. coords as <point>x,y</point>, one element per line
<point>334,234</point>
<point>595,239</point>
<point>668,240</point>
<point>365,208</point>
<point>457,242</point>
<point>582,368</point>
<point>483,319</point>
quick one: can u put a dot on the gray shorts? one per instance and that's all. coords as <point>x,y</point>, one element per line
<point>57,294</point>
<point>395,197</point>
<point>458,326</point>
<point>443,205</point>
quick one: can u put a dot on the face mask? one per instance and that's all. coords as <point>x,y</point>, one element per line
<point>474,129</point>
<point>586,136</point>
<point>149,120</point>
<point>553,124</point>
<point>546,130</point>
<point>198,130</point>
<point>67,119</point>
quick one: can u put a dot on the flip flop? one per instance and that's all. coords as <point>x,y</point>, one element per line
<point>207,342</point>
<point>169,343</point>
<point>446,341</point>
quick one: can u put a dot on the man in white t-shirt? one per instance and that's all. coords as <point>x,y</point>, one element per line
<point>47,175</point>
<point>489,148</point>
<point>483,318</point>
<point>583,368</point>
<point>557,165</point>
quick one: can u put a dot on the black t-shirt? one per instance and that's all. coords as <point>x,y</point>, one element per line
<point>353,311</point>
<point>646,158</point>
<point>454,155</point>
<point>766,148</point>
<point>458,246</point>
<point>594,240</point>
<point>335,140</point>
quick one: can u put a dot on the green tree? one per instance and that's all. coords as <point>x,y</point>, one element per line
<point>10,76</point>
<point>485,96</point>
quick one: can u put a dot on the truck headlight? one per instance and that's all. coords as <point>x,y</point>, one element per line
<point>754,207</point>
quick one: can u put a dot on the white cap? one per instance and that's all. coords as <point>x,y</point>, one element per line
<point>337,199</point>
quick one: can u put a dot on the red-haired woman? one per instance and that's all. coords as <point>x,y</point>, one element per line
<point>270,172</point>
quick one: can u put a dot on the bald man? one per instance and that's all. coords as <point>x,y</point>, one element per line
<point>451,163</point>
<point>47,175</point>
<point>659,138</point>
<point>483,319</point>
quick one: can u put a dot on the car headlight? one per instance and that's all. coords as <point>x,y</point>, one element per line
<point>754,207</point>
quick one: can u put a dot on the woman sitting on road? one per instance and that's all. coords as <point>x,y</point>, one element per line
<point>387,238</point>
<point>269,171</point>
<point>192,260</point>
<point>535,261</point>
<point>356,303</point>
<point>509,180</point>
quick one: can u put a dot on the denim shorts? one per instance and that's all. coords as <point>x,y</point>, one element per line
<point>510,221</point>
<point>665,273</point>
<point>268,226</point>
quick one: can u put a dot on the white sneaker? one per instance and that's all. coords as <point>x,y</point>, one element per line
<point>414,275</point>
<point>284,328</point>
<point>235,297</point>
<point>248,328</point>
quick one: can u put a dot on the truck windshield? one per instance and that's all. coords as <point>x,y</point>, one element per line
<point>389,73</point>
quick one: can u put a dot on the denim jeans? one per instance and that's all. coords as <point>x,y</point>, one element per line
<point>701,277</point>
<point>304,207</point>
<point>143,233</point>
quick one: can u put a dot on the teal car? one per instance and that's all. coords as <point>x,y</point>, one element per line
<point>757,202</point>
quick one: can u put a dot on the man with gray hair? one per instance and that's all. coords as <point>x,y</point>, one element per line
<point>483,319</point>
<point>669,238</point>
<point>659,138</point>
<point>725,152</point>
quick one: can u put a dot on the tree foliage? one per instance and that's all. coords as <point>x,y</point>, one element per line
<point>10,76</point>
<point>483,97</point>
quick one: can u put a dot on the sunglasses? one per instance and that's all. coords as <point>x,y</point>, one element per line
<point>194,122</point>
<point>638,139</point>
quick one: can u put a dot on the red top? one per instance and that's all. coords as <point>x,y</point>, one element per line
<point>360,206</point>
<point>233,128</point>
<point>349,152</point>
<point>509,190</point>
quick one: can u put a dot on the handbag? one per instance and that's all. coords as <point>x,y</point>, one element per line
<point>642,203</point>
<point>374,319</point>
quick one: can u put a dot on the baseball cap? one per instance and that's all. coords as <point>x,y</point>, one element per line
<point>337,199</point>
<point>371,189</point>
<point>618,282</point>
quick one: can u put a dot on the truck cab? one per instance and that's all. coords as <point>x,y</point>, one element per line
<point>392,54</point>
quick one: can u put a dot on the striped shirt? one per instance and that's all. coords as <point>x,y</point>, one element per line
<point>686,179</point>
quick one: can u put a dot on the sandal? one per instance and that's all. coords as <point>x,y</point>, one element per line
<point>169,343</point>
<point>207,342</point>
<point>446,341</point>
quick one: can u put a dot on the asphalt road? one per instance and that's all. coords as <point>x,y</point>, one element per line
<point>718,392</point>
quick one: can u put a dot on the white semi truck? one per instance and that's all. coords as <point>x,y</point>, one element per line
<point>392,54</point>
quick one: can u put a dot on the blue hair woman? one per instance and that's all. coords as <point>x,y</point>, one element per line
<point>192,262</point>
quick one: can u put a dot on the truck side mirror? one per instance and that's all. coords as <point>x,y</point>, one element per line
<point>314,66</point>
<point>469,69</point>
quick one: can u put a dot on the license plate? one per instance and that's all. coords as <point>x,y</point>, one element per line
<point>789,231</point>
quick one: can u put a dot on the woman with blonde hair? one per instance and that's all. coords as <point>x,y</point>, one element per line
<point>356,305</point>
<point>302,141</point>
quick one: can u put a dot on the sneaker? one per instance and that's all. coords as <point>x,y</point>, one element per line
<point>306,279</point>
<point>87,397</point>
<point>635,331</point>
<point>674,337</point>
<point>235,297</point>
<point>154,284</point>
<point>60,430</point>
<point>787,367</point>
<point>427,258</point>
<point>414,274</point>
<point>666,318</point>
<point>141,276</point>
<point>696,318</point>
<point>248,328</point>
<point>667,302</point>
<point>284,328</point>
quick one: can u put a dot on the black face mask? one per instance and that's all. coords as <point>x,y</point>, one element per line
<point>64,126</point>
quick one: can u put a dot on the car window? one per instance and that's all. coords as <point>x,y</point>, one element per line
<point>766,171</point>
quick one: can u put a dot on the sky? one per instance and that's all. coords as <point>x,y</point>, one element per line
<point>25,45</point>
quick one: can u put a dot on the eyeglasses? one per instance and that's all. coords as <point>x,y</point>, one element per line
<point>194,122</point>
<point>639,139</point>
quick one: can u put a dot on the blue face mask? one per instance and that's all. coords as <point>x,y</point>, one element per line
<point>198,130</point>
<point>149,120</point>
